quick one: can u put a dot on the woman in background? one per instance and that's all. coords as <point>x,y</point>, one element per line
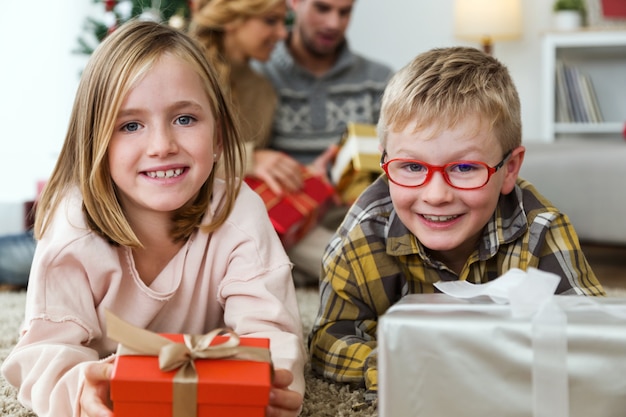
<point>233,32</point>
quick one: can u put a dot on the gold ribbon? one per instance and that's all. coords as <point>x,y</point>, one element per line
<point>173,355</point>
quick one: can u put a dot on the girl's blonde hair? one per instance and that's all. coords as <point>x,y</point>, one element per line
<point>210,19</point>
<point>442,86</point>
<point>118,63</point>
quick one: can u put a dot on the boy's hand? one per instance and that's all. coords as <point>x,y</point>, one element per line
<point>94,398</point>
<point>283,402</point>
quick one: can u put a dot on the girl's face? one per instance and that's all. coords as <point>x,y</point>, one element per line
<point>162,149</point>
<point>446,220</point>
<point>256,37</point>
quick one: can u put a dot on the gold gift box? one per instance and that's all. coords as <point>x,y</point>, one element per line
<point>357,164</point>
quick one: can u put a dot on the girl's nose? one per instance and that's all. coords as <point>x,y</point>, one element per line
<point>162,143</point>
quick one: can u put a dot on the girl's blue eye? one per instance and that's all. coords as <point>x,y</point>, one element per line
<point>185,120</point>
<point>131,127</point>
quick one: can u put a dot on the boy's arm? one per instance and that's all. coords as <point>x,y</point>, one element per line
<point>343,339</point>
<point>561,254</point>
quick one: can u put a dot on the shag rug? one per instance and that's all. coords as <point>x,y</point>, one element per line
<point>322,399</point>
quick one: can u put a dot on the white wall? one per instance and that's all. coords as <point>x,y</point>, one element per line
<point>39,73</point>
<point>395,31</point>
<point>38,79</point>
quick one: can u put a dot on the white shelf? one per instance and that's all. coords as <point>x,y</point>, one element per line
<point>602,55</point>
<point>603,128</point>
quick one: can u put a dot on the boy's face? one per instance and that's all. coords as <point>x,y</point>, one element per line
<point>446,220</point>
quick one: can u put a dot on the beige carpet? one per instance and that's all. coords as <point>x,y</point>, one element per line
<point>322,399</point>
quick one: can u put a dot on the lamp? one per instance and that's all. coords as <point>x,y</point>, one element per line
<point>488,20</point>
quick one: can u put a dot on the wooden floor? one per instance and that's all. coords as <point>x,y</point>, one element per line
<point>608,263</point>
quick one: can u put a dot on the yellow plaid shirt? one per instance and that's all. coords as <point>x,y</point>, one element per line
<point>373,260</point>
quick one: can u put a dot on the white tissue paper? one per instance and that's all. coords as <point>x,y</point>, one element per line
<point>506,348</point>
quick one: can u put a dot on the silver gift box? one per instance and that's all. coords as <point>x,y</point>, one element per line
<point>441,357</point>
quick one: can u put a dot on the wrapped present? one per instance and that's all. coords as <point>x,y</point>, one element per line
<point>186,376</point>
<point>441,356</point>
<point>294,214</point>
<point>357,163</point>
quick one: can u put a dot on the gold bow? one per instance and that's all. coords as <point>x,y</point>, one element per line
<point>173,355</point>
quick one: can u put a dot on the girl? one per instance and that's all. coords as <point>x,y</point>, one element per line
<point>134,220</point>
<point>234,32</point>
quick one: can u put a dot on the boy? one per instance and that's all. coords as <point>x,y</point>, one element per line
<point>450,207</point>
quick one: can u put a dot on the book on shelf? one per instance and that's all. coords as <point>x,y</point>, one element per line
<point>591,99</point>
<point>576,100</point>
<point>564,112</point>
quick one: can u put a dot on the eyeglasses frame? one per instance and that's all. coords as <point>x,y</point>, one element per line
<point>442,169</point>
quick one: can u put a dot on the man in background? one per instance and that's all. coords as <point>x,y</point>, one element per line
<point>322,85</point>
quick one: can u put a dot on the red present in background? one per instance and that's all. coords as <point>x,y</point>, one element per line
<point>293,215</point>
<point>225,387</point>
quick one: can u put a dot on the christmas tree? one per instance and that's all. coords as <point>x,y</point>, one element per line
<point>115,12</point>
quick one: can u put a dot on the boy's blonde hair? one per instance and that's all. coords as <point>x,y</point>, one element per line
<point>115,67</point>
<point>442,86</point>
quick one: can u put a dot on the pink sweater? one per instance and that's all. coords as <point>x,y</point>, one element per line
<point>238,277</point>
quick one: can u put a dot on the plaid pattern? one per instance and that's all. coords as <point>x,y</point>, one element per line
<point>373,260</point>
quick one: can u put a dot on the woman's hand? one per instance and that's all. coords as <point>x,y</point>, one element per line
<point>278,170</point>
<point>324,161</point>
<point>283,402</point>
<point>94,398</point>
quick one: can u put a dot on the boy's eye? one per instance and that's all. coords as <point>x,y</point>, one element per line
<point>185,120</point>
<point>131,127</point>
<point>414,167</point>
<point>463,167</point>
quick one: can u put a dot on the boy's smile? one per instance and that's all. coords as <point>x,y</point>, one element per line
<point>446,220</point>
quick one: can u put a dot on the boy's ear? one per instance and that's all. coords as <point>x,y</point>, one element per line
<point>511,169</point>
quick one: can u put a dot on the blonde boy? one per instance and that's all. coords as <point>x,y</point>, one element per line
<point>450,207</point>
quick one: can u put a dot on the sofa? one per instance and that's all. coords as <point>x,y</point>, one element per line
<point>585,179</point>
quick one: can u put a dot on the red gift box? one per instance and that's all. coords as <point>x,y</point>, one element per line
<point>293,215</point>
<point>225,387</point>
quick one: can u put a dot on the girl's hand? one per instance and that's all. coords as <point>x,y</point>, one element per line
<point>283,402</point>
<point>94,399</point>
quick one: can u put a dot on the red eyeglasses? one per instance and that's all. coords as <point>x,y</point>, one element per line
<point>463,175</point>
